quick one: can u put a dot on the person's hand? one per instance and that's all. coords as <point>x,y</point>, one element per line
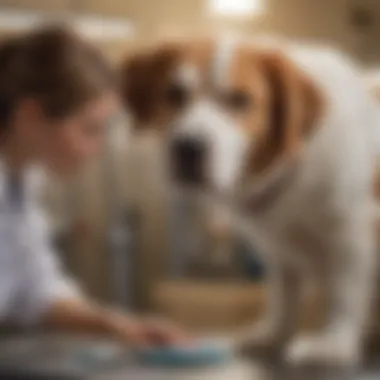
<point>123,328</point>
<point>84,316</point>
<point>159,332</point>
<point>145,333</point>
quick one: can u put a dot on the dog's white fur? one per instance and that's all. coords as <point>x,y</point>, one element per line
<point>330,203</point>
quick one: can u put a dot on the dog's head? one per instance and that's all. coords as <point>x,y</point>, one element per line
<point>229,110</point>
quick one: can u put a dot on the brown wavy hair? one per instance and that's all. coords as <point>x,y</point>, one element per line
<point>55,67</point>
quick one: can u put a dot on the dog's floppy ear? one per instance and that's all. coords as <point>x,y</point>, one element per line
<point>143,76</point>
<point>135,86</point>
<point>294,107</point>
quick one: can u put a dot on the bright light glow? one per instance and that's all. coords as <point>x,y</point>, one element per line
<point>91,26</point>
<point>236,8</point>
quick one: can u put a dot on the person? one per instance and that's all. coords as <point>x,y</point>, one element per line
<point>58,95</point>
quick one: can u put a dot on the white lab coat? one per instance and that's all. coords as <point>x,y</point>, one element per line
<point>30,275</point>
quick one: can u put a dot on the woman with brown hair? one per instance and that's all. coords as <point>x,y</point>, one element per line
<point>57,96</point>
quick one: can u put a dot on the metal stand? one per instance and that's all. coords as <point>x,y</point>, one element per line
<point>122,224</point>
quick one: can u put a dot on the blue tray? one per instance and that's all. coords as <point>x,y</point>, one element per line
<point>203,353</point>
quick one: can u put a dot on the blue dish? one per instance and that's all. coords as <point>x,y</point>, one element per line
<point>203,353</point>
<point>98,356</point>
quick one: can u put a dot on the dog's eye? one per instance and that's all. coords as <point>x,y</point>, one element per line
<point>176,96</point>
<point>238,100</point>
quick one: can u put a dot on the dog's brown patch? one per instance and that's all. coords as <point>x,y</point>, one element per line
<point>145,77</point>
<point>293,107</point>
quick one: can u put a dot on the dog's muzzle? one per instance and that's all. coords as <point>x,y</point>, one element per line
<point>188,161</point>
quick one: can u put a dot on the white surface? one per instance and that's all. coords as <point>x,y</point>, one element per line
<point>50,353</point>
<point>236,370</point>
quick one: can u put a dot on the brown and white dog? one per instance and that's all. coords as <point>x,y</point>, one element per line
<point>289,133</point>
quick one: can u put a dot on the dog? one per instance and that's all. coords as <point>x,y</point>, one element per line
<point>287,135</point>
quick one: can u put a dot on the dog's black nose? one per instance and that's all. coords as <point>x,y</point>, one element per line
<point>187,156</point>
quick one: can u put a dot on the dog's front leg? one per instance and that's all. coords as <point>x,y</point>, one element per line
<point>347,284</point>
<point>280,318</point>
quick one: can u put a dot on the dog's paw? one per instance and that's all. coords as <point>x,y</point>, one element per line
<point>323,350</point>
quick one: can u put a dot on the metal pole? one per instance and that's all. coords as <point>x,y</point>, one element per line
<point>120,234</point>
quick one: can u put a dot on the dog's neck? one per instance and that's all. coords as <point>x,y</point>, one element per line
<point>261,194</point>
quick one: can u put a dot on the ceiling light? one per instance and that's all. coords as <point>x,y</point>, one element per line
<point>236,8</point>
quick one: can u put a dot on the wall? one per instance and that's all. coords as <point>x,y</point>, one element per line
<point>322,19</point>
